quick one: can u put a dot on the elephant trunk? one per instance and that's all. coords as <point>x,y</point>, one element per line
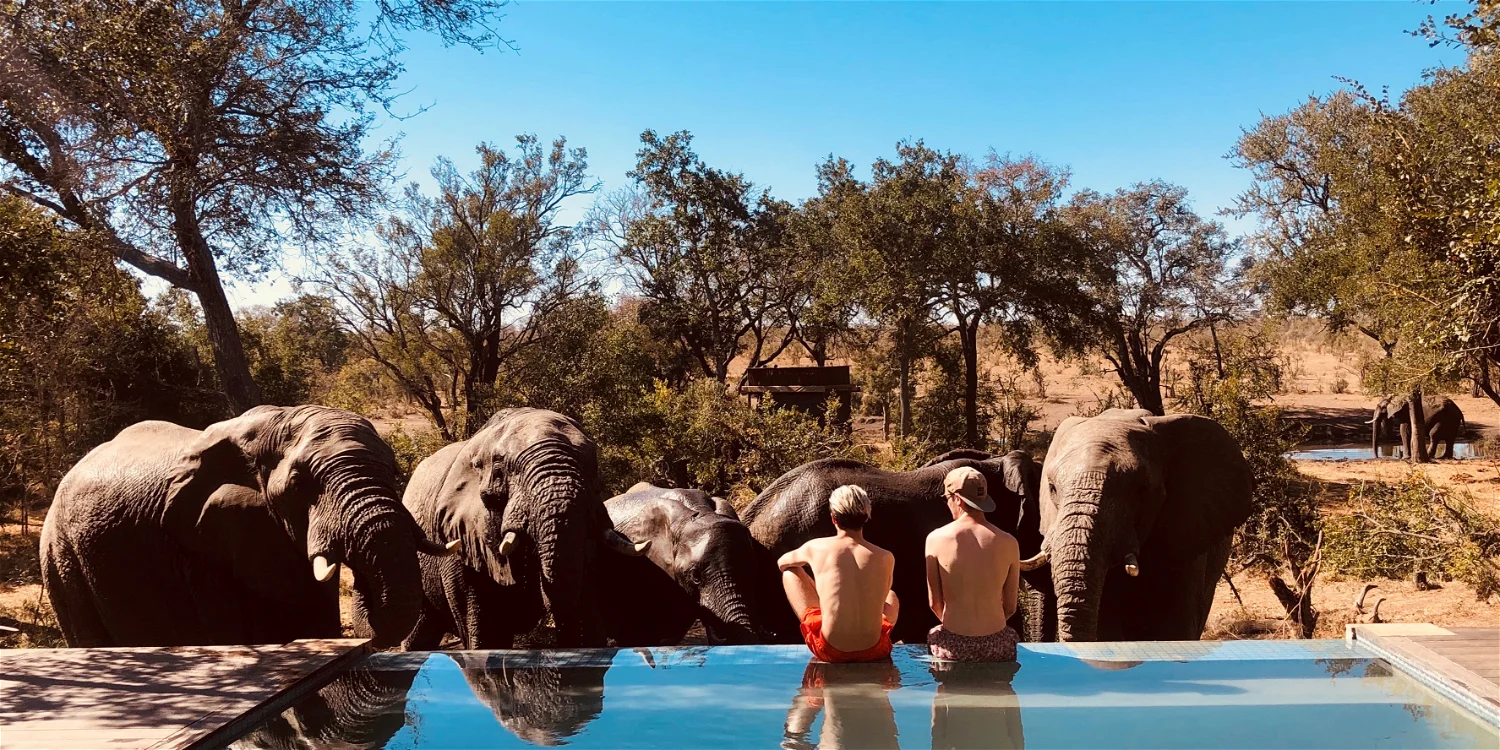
<point>1077,553</point>
<point>729,616</point>
<point>566,542</point>
<point>360,522</point>
<point>1375,425</point>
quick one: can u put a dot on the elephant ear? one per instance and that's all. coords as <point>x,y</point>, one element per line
<point>725,508</point>
<point>219,456</point>
<point>1023,476</point>
<point>1205,485</point>
<point>451,482</point>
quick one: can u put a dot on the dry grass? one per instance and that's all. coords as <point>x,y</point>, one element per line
<point>22,602</point>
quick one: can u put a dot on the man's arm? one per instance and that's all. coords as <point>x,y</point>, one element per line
<point>934,582</point>
<point>1012,576</point>
<point>795,559</point>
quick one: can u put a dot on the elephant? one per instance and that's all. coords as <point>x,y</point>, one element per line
<point>701,566</point>
<point>170,536</point>
<point>906,507</point>
<point>1444,420</point>
<point>524,496</point>
<point>543,705</point>
<point>361,709</point>
<point>1138,512</point>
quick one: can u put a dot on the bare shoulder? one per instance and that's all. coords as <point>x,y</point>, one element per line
<point>1007,542</point>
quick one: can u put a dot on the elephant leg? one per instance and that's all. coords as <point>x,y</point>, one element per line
<point>427,634</point>
<point>1406,440</point>
<point>73,602</point>
<point>1215,560</point>
<point>484,614</point>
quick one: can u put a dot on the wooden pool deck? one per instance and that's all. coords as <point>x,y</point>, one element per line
<point>1461,663</point>
<point>185,697</point>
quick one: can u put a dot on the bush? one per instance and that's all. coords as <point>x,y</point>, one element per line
<point>410,448</point>
<point>703,437</point>
<point>1395,530</point>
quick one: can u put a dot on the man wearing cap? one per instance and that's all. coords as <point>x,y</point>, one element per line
<point>973,573</point>
<point>846,607</point>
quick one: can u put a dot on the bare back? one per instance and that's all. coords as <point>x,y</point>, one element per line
<point>853,579</point>
<point>978,571</point>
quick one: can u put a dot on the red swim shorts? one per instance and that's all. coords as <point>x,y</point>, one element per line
<point>812,635</point>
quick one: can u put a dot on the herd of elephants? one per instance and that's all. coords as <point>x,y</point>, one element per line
<point>168,536</point>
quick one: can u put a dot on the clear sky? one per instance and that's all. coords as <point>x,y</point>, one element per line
<point>1118,92</point>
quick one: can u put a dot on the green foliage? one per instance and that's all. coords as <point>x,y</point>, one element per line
<point>410,448</point>
<point>1395,530</point>
<point>701,436</point>
<point>295,348</point>
<point>81,355</point>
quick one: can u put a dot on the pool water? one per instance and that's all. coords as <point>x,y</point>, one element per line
<point>1358,452</point>
<point>1260,694</point>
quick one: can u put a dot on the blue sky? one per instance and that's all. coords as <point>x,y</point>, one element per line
<point>1119,92</point>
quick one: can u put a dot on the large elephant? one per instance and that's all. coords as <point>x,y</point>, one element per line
<point>905,507</point>
<point>1444,420</point>
<point>1138,512</point>
<point>524,496</point>
<point>168,536</point>
<point>701,566</point>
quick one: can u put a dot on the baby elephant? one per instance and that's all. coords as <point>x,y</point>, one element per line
<point>700,566</point>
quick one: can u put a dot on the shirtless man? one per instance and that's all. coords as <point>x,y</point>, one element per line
<point>847,607</point>
<point>973,573</point>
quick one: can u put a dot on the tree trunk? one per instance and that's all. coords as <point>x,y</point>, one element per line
<point>1418,427</point>
<point>1147,394</point>
<point>1483,380</point>
<point>968,336</point>
<point>223,333</point>
<point>904,398</point>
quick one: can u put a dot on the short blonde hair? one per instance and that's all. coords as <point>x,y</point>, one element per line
<point>850,506</point>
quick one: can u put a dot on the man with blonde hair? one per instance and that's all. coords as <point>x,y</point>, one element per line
<point>846,606</point>
<point>973,573</point>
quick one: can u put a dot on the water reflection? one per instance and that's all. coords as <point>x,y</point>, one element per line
<point>856,709</point>
<point>975,706</point>
<point>361,708</point>
<point>542,705</point>
<point>1361,452</point>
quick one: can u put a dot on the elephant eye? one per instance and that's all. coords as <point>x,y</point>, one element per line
<point>476,462</point>
<point>695,578</point>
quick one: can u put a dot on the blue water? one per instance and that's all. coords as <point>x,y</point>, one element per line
<point>1246,694</point>
<point>1358,452</point>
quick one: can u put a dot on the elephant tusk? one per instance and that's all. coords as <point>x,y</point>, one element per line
<point>508,544</point>
<point>1132,566</point>
<point>428,547</point>
<point>323,570</point>
<point>1032,563</point>
<point>619,543</point>
<point>1359,601</point>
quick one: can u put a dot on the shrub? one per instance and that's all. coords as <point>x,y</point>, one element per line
<point>1395,530</point>
<point>410,448</point>
<point>701,436</point>
<point>1340,386</point>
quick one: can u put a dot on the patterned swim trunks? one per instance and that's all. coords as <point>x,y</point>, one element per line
<point>948,646</point>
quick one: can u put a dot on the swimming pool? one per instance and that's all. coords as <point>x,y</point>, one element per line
<point>1324,694</point>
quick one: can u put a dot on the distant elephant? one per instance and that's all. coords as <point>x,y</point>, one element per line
<point>905,506</point>
<point>168,536</point>
<point>361,709</point>
<point>1137,513</point>
<point>701,566</point>
<point>1444,420</point>
<point>523,494</point>
<point>543,705</point>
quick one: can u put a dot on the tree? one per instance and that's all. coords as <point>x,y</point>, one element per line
<point>197,139</point>
<point>706,251</point>
<point>821,302</point>
<point>82,355</point>
<point>1013,267</point>
<point>896,231</point>
<point>1326,230</point>
<point>294,347</point>
<point>462,283</point>
<point>1170,273</point>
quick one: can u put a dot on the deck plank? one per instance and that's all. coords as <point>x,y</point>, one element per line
<point>148,697</point>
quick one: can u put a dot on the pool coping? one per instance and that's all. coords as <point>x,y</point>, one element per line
<point>1401,645</point>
